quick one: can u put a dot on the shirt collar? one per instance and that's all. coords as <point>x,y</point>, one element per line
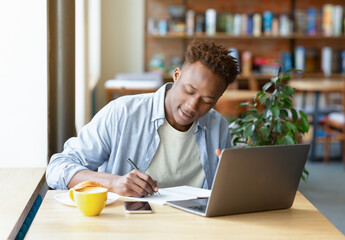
<point>158,107</point>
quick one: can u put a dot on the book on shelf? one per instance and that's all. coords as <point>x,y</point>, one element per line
<point>210,20</point>
<point>275,26</point>
<point>229,23</point>
<point>301,21</point>
<point>237,24</point>
<point>327,11</point>
<point>337,20</point>
<point>247,63</point>
<point>257,25</point>
<point>250,24</point>
<point>300,58</point>
<point>284,25</point>
<point>311,57</point>
<point>312,21</point>
<point>267,18</point>
<point>326,61</point>
<point>286,59</point>
<point>244,24</point>
<point>199,22</point>
<point>342,62</point>
<point>221,22</point>
<point>190,22</point>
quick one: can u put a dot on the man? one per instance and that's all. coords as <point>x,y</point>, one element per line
<point>171,134</point>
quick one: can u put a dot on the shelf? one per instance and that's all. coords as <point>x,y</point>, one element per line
<point>243,37</point>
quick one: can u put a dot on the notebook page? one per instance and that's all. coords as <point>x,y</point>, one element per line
<point>174,194</point>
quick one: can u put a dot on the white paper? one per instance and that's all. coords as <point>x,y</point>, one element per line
<point>175,194</point>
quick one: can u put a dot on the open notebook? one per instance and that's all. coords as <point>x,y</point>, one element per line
<point>175,194</point>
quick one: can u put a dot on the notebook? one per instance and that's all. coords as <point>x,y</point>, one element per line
<point>251,180</point>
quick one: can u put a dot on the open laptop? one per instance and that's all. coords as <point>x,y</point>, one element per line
<point>252,180</point>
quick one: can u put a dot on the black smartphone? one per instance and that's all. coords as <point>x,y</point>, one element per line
<point>137,207</point>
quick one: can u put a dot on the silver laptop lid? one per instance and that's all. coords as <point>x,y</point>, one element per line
<point>257,179</point>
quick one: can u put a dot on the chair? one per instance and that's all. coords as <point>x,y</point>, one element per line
<point>335,128</point>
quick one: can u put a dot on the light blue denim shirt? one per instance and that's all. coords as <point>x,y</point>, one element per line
<point>128,128</point>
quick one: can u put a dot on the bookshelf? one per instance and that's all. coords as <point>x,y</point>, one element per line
<point>170,46</point>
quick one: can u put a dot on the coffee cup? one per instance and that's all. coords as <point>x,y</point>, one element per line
<point>89,200</point>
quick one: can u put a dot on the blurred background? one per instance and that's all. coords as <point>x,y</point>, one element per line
<point>132,46</point>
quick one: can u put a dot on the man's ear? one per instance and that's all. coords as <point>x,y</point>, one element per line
<point>176,74</point>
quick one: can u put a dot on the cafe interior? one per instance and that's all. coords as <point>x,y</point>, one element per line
<point>67,59</point>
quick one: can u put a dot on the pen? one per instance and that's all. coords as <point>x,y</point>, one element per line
<point>136,167</point>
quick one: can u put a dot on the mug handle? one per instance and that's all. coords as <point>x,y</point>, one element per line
<point>71,195</point>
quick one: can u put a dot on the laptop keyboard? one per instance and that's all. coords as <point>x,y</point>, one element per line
<point>200,208</point>
<point>199,205</point>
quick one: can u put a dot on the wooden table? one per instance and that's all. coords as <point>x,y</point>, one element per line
<point>228,102</point>
<point>316,86</point>
<point>57,221</point>
<point>19,189</point>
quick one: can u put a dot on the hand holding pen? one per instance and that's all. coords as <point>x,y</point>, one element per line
<point>146,178</point>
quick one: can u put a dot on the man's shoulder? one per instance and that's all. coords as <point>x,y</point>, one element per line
<point>137,100</point>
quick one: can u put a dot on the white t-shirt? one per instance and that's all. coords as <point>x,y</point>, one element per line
<point>177,160</point>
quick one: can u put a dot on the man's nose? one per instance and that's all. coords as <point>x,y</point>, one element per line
<point>193,104</point>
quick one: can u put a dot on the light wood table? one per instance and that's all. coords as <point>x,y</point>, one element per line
<point>19,189</point>
<point>57,221</point>
<point>228,102</point>
<point>316,86</point>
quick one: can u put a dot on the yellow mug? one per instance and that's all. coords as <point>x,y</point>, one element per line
<point>89,200</point>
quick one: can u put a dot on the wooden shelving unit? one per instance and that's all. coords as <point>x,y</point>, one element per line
<point>174,44</point>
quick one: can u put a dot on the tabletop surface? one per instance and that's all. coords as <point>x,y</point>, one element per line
<point>19,188</point>
<point>235,94</point>
<point>317,85</point>
<point>57,221</point>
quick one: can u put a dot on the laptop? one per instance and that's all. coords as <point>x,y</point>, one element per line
<point>252,179</point>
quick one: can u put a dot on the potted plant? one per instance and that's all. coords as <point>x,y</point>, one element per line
<point>272,119</point>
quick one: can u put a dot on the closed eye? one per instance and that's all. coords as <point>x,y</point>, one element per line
<point>188,92</point>
<point>207,101</point>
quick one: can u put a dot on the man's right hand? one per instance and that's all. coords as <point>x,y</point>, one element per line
<point>134,184</point>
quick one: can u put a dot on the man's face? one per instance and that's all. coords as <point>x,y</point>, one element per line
<point>195,91</point>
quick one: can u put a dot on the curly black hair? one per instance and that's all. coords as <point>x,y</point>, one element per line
<point>215,57</point>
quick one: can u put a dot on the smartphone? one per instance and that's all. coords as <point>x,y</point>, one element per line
<point>137,207</point>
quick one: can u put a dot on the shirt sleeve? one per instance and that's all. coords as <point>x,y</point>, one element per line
<point>88,150</point>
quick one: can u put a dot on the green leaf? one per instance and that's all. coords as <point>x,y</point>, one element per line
<point>242,104</point>
<point>305,124</point>
<point>263,98</point>
<point>264,130</point>
<point>258,95</point>
<point>288,140</point>
<point>277,126</point>
<point>290,126</point>
<point>287,103</point>
<point>248,131</point>
<point>266,86</point>
<point>294,114</point>
<point>287,90</point>
<point>253,112</point>
<point>304,121</point>
<point>233,124</point>
<point>283,114</point>
<point>269,103</point>
<point>275,111</point>
<point>249,118</point>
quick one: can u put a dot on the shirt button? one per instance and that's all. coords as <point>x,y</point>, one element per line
<point>147,159</point>
<point>156,136</point>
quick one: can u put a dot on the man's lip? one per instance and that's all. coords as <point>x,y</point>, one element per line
<point>186,114</point>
